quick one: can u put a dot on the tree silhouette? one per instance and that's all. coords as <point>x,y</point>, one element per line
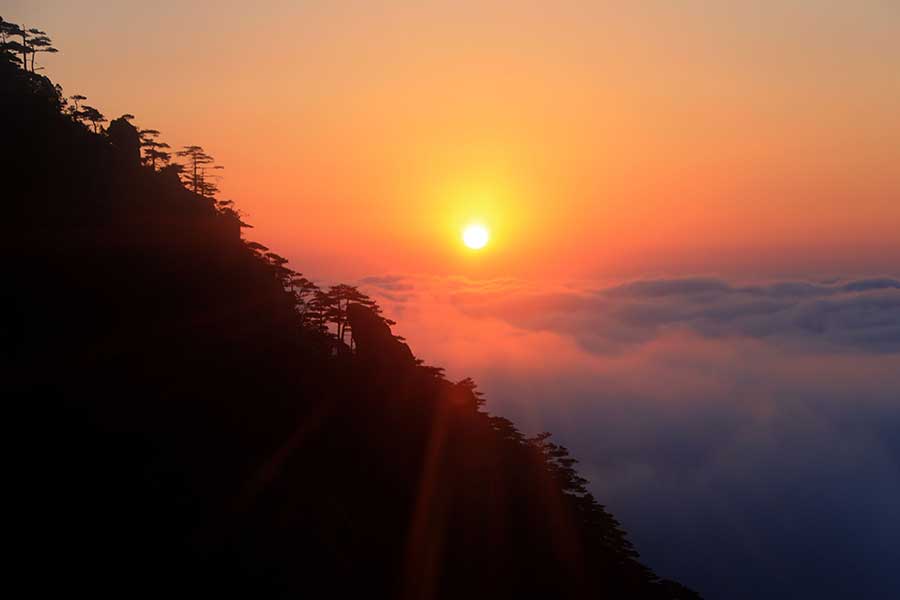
<point>341,296</point>
<point>319,310</point>
<point>304,292</point>
<point>198,162</point>
<point>12,29</point>
<point>8,47</point>
<point>468,387</point>
<point>89,113</point>
<point>7,30</point>
<point>74,110</point>
<point>257,248</point>
<point>33,41</point>
<point>277,263</point>
<point>38,41</point>
<point>232,215</point>
<point>153,150</point>
<point>208,187</point>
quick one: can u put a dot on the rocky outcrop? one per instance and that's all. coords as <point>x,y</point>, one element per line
<point>125,137</point>
<point>373,339</point>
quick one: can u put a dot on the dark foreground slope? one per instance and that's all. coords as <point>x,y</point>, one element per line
<point>175,431</point>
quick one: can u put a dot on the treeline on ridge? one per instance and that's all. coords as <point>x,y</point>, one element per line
<point>194,417</point>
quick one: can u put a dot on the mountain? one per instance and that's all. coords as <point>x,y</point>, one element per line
<point>189,416</point>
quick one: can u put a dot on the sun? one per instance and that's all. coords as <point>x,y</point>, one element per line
<point>475,236</point>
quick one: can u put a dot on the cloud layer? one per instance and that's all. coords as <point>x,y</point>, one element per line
<point>860,315</point>
<point>748,435</point>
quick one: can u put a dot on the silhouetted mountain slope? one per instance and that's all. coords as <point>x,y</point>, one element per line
<point>180,428</point>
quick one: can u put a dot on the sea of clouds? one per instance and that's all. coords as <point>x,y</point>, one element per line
<point>746,434</point>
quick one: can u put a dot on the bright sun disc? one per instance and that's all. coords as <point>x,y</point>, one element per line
<point>475,236</point>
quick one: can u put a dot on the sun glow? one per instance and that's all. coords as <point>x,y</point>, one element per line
<point>475,236</point>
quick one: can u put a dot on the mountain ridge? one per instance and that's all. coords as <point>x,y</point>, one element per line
<point>194,423</point>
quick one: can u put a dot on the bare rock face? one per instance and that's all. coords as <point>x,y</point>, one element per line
<point>125,137</point>
<point>374,340</point>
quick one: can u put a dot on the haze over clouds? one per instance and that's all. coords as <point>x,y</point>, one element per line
<point>748,434</point>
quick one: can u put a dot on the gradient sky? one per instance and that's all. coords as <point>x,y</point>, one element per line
<point>596,139</point>
<point>694,274</point>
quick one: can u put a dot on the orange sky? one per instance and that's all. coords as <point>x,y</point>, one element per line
<point>735,141</point>
<point>594,140</point>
